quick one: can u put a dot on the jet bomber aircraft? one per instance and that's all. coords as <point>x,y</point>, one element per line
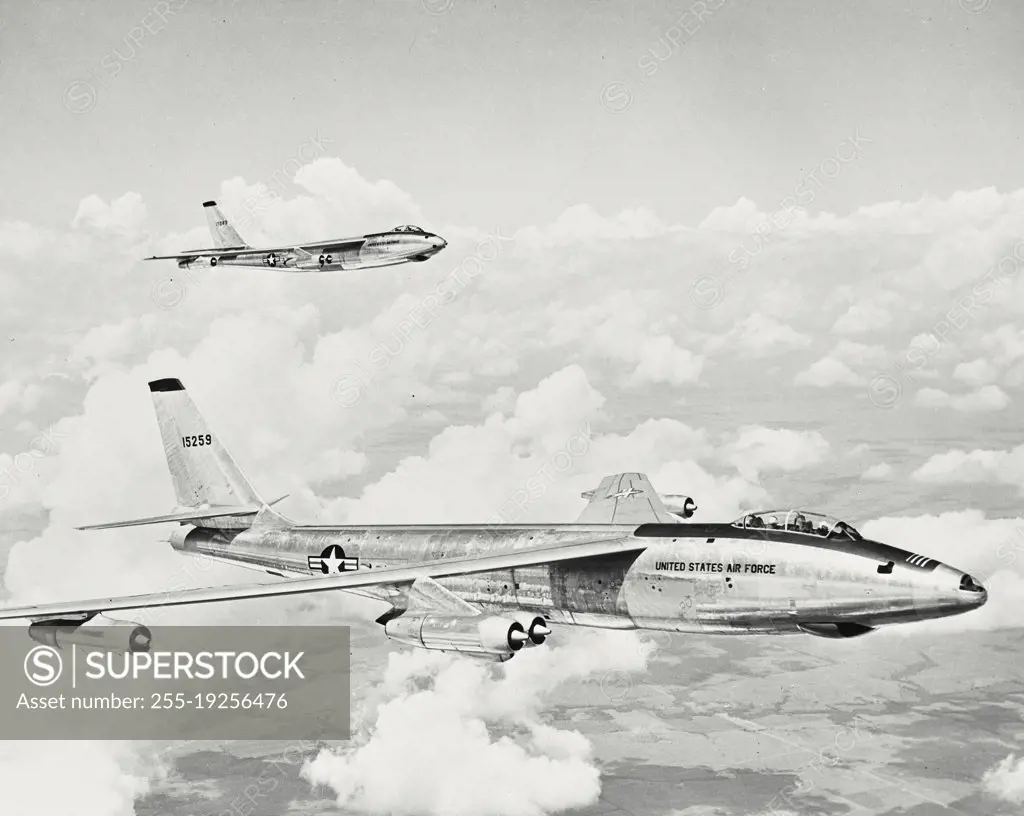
<point>404,244</point>
<point>633,560</point>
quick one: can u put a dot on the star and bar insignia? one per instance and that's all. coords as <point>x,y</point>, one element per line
<point>331,560</point>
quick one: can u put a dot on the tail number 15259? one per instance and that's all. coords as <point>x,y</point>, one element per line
<point>196,441</point>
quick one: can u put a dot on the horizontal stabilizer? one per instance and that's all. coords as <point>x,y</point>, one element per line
<point>186,516</point>
<point>624,498</point>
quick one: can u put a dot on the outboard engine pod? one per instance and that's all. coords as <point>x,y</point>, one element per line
<point>101,632</point>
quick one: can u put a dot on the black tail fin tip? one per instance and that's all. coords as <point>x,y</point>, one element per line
<point>209,203</point>
<point>168,384</point>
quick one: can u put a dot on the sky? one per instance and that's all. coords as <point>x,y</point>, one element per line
<point>767,253</point>
<point>493,111</point>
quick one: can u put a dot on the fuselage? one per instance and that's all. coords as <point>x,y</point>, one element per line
<point>399,246</point>
<point>716,578</point>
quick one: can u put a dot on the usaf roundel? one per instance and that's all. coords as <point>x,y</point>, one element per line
<point>332,560</point>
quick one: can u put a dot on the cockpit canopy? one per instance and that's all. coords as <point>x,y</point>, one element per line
<point>798,521</point>
<point>409,228</point>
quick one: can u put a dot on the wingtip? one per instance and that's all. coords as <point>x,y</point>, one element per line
<point>209,203</point>
<point>167,384</point>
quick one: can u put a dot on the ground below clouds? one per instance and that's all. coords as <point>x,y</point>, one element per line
<point>887,724</point>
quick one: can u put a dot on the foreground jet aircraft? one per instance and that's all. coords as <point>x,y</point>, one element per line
<point>403,244</point>
<point>629,562</point>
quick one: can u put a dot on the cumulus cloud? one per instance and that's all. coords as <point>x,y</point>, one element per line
<point>23,397</point>
<point>990,549</point>
<point>976,372</point>
<point>1006,780</point>
<point>964,467</point>
<point>530,465</point>
<point>828,372</point>
<point>111,342</point>
<point>619,327</point>
<point>581,223</point>
<point>758,450</point>
<point>870,315</point>
<point>743,216</point>
<point>986,398</point>
<point>837,367</point>
<point>877,472</point>
<point>348,387</point>
<point>124,214</point>
<point>455,736</point>
<point>97,778</point>
<point>761,336</point>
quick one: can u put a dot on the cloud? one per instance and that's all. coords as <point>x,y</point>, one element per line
<point>869,315</point>
<point>826,373</point>
<point>757,450</point>
<point>965,467</point>
<point>877,472</point>
<point>619,327</point>
<point>581,223</point>
<point>453,736</point>
<point>1006,779</point>
<point>469,401</point>
<point>111,342</point>
<point>743,216</point>
<point>860,354</point>
<point>976,372</point>
<point>97,778</point>
<point>23,397</point>
<point>986,398</point>
<point>992,550</point>
<point>761,336</point>
<point>835,368</point>
<point>125,214</point>
<point>531,464</point>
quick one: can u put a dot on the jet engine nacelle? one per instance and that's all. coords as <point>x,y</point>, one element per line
<point>197,263</point>
<point>480,635</point>
<point>843,629</point>
<point>535,626</point>
<point>101,632</point>
<point>313,264</point>
<point>678,504</point>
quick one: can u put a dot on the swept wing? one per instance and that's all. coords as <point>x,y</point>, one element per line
<point>333,246</point>
<point>393,576</point>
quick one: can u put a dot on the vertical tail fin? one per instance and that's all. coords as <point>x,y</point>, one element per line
<point>224,235</point>
<point>212,491</point>
<point>202,470</point>
<point>204,474</point>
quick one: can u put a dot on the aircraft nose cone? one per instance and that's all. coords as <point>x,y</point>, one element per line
<point>438,242</point>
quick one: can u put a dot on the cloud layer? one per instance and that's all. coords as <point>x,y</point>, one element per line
<point>735,362</point>
<point>459,737</point>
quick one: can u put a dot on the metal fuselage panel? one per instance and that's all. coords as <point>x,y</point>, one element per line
<point>384,249</point>
<point>685,578</point>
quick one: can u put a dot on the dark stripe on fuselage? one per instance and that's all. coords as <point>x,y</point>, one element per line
<point>874,550</point>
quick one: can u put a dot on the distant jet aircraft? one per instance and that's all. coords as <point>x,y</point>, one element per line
<point>629,562</point>
<point>400,245</point>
